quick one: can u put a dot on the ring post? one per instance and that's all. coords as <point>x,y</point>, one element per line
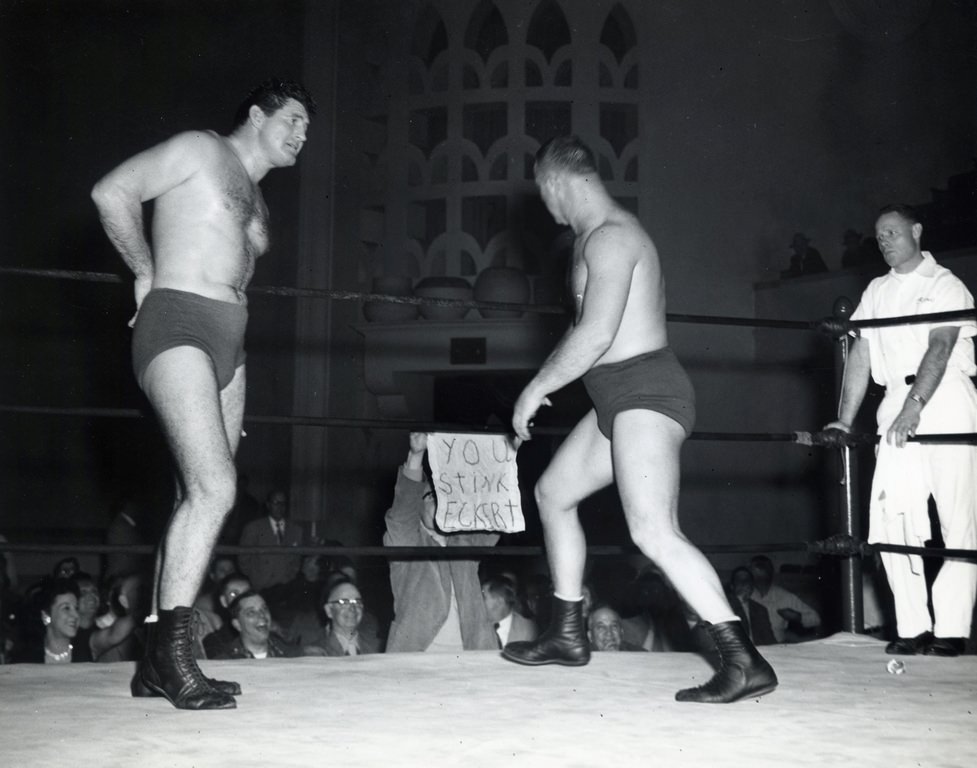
<point>852,618</point>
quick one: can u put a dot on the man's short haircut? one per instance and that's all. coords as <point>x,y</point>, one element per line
<point>565,154</point>
<point>740,569</point>
<point>601,607</point>
<point>502,587</point>
<point>83,577</point>
<point>235,607</point>
<point>763,563</point>
<point>907,212</point>
<point>236,576</point>
<point>331,586</point>
<point>271,95</point>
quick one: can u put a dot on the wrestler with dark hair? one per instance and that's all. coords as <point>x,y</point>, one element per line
<point>209,226</point>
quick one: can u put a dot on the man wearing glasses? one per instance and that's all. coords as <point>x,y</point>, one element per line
<point>343,606</point>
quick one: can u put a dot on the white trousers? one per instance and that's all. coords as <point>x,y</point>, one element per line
<point>904,480</point>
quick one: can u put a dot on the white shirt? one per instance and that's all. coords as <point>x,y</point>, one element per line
<point>896,352</point>
<point>503,629</point>
<point>448,639</point>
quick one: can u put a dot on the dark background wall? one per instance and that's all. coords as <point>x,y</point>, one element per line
<point>761,119</point>
<point>85,85</point>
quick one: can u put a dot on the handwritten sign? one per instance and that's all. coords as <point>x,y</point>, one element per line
<point>476,481</point>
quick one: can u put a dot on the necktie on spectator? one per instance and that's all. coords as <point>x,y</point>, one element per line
<point>279,530</point>
<point>498,640</point>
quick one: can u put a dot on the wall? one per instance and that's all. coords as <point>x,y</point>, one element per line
<point>759,119</point>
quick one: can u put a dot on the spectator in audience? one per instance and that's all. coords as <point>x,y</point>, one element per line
<point>792,619</point>
<point>658,620</point>
<point>58,614</point>
<point>120,636</point>
<point>343,565</point>
<point>343,606</point>
<point>208,601</point>
<point>266,570</point>
<point>217,642</point>
<point>89,600</point>
<point>604,631</point>
<point>859,250</point>
<point>438,603</point>
<point>755,617</point>
<point>254,639</point>
<point>539,590</point>
<point>342,569</point>
<point>499,594</point>
<point>297,606</point>
<point>806,260</point>
<point>66,568</point>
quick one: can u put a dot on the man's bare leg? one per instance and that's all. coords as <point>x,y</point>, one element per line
<point>646,450</point>
<point>646,453</point>
<point>181,385</point>
<point>581,466</point>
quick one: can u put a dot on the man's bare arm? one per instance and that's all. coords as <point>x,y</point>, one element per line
<point>928,378</point>
<point>610,257</point>
<point>855,385</point>
<point>119,195</point>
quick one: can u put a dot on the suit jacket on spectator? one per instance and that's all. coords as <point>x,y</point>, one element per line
<point>268,570</point>
<point>366,643</point>
<point>217,644</point>
<point>757,621</point>
<point>277,649</point>
<point>422,588</point>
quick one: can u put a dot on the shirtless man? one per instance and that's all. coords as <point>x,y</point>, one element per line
<point>209,225</point>
<point>644,408</point>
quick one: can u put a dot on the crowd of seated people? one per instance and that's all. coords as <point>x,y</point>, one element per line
<point>317,605</point>
<point>68,617</point>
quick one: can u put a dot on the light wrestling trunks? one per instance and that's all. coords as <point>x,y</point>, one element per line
<point>170,318</point>
<point>654,381</point>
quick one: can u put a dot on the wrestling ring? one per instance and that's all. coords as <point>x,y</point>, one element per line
<point>836,704</point>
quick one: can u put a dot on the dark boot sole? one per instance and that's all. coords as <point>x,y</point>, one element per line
<point>748,694</point>
<point>534,663</point>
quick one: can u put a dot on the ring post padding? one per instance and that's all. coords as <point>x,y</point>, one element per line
<point>852,614</point>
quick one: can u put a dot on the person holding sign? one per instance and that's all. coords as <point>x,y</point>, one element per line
<point>644,408</point>
<point>438,604</point>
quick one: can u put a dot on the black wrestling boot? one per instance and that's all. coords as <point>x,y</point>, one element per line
<point>563,642</point>
<point>139,689</point>
<point>168,669</point>
<point>743,672</point>
<point>909,646</point>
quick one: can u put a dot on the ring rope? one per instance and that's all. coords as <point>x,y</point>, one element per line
<point>839,545</point>
<point>829,438</point>
<point>322,293</point>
